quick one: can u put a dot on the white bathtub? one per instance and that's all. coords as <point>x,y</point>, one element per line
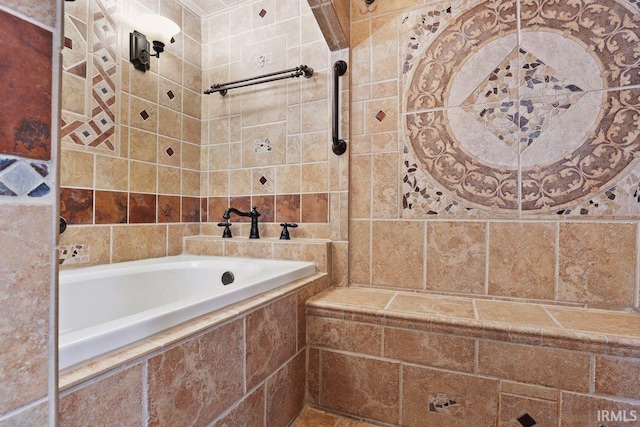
<point>106,307</point>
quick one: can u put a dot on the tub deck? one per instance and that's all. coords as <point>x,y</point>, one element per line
<point>424,359</point>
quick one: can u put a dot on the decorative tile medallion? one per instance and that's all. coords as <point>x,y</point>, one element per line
<point>508,118</point>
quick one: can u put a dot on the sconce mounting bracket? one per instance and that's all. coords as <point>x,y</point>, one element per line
<point>139,51</point>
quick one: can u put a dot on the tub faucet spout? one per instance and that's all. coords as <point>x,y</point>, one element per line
<point>253,214</point>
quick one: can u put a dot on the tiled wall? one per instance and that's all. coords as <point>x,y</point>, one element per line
<point>269,145</point>
<point>130,173</point>
<point>493,149</point>
<point>28,155</point>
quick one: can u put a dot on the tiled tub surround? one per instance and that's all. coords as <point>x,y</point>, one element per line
<point>102,308</point>
<point>234,366</point>
<point>430,360</point>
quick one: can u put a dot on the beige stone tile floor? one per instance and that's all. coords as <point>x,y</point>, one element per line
<point>310,417</point>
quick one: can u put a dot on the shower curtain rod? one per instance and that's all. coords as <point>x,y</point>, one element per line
<point>295,72</point>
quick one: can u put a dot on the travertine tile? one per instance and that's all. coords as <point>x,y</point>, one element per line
<point>360,252</point>
<point>344,335</point>
<point>24,302</point>
<point>536,365</point>
<point>115,400</point>
<point>617,377</point>
<point>384,186</point>
<point>77,170</point>
<point>597,321</point>
<point>249,413</point>
<point>521,259</point>
<point>183,379</point>
<point>597,264</point>
<point>456,256</point>
<point>37,415</point>
<point>355,296</point>
<point>138,242</point>
<point>578,410</point>
<point>428,304</point>
<point>528,390</point>
<point>513,312</point>
<point>398,248</point>
<point>444,351</point>
<point>302,297</point>
<point>433,398</point>
<point>313,375</point>
<point>513,408</point>
<point>360,386</point>
<point>271,338</point>
<point>384,52</point>
<point>310,417</point>
<point>285,392</point>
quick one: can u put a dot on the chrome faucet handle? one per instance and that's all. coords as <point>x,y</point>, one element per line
<point>285,230</point>
<point>226,233</point>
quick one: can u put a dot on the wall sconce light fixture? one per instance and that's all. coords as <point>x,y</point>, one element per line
<point>156,28</point>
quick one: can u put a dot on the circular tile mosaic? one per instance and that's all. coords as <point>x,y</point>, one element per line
<point>530,110</point>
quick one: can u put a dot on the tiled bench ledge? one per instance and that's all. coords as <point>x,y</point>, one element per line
<point>591,330</point>
<point>390,357</point>
<point>314,250</point>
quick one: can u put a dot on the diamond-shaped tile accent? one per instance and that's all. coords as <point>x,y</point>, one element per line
<point>262,13</point>
<point>381,115</point>
<point>21,179</point>
<point>169,151</point>
<point>144,114</point>
<point>68,43</point>
<point>173,40</point>
<point>526,420</point>
<point>170,94</point>
<point>263,180</point>
<point>544,95</point>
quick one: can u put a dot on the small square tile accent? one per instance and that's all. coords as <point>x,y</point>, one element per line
<point>169,151</point>
<point>144,114</point>
<point>73,254</point>
<point>173,40</point>
<point>526,420</point>
<point>68,43</point>
<point>262,145</point>
<point>381,115</point>
<point>170,94</point>
<point>263,180</point>
<point>262,13</point>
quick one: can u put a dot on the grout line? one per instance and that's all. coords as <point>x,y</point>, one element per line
<point>145,393</point>
<point>486,257</point>
<point>636,293</point>
<point>556,261</point>
<point>556,321</point>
